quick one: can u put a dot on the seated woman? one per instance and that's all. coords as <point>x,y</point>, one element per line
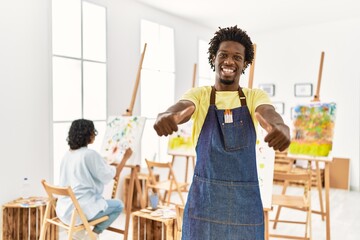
<point>87,172</point>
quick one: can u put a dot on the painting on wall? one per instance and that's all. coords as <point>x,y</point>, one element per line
<point>181,143</point>
<point>121,133</point>
<point>268,88</point>
<point>265,158</point>
<point>313,129</point>
<point>279,107</point>
<point>303,90</point>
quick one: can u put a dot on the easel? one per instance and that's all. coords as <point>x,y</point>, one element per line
<point>325,214</point>
<point>187,157</point>
<point>134,180</point>
<point>250,85</point>
<point>252,69</point>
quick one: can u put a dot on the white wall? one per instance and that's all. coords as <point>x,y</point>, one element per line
<point>293,55</point>
<point>25,96</point>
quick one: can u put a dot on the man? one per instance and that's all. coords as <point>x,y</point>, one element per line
<point>224,198</point>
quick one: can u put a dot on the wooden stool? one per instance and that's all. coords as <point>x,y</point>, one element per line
<point>22,219</point>
<point>147,227</point>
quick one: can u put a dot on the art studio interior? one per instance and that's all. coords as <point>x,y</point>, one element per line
<point>119,63</point>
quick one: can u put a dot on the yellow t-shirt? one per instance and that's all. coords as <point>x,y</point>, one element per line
<point>200,96</point>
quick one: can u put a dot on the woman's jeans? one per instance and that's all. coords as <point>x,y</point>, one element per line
<point>113,210</point>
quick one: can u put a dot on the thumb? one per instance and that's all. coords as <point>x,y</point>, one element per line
<point>264,124</point>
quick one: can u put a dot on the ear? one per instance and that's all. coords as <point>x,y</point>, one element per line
<point>213,59</point>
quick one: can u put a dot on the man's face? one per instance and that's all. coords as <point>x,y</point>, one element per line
<point>229,63</point>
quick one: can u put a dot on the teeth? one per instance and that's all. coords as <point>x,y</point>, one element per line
<point>228,70</point>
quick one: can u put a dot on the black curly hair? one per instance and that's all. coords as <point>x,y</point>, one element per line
<point>231,34</point>
<point>80,133</point>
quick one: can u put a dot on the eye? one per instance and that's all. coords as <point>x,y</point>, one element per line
<point>238,58</point>
<point>222,55</point>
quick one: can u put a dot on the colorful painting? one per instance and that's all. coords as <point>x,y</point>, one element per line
<point>180,143</point>
<point>265,158</point>
<point>121,133</point>
<point>313,129</point>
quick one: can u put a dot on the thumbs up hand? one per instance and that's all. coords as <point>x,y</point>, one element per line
<point>278,136</point>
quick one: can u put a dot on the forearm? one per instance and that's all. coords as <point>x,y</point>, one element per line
<point>182,110</point>
<point>270,115</point>
<point>166,122</point>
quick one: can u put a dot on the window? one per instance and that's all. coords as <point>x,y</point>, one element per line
<point>79,71</point>
<point>157,76</point>
<point>206,74</point>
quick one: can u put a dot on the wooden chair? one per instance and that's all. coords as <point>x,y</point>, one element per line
<point>179,220</point>
<point>169,185</point>
<point>284,163</point>
<point>53,192</point>
<point>297,202</point>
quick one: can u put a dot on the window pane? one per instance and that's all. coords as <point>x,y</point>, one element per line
<point>60,146</point>
<point>206,74</point>
<point>151,102</point>
<point>167,52</point>
<point>66,27</point>
<point>149,141</point>
<point>66,89</point>
<point>94,32</point>
<point>94,91</point>
<point>150,35</point>
<point>100,126</point>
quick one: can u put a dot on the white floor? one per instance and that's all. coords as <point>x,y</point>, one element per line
<point>344,218</point>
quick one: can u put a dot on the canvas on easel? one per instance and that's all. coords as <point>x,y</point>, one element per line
<point>121,133</point>
<point>180,143</point>
<point>265,157</point>
<point>313,129</point>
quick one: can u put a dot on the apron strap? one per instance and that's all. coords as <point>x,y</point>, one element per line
<point>241,96</point>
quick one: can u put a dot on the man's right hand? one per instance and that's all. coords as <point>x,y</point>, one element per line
<point>166,123</point>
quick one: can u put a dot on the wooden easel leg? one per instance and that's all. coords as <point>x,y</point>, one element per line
<point>266,224</point>
<point>327,199</point>
<point>187,168</point>
<point>319,187</point>
<point>139,188</point>
<point>129,200</point>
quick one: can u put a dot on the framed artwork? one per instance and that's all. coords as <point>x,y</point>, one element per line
<point>303,89</point>
<point>268,88</point>
<point>279,107</point>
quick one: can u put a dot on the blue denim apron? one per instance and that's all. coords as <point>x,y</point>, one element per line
<point>224,198</point>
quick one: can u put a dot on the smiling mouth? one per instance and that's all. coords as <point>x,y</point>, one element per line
<point>228,71</point>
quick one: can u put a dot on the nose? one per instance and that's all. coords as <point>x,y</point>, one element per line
<point>229,60</point>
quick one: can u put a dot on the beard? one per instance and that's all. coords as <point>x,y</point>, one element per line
<point>226,82</point>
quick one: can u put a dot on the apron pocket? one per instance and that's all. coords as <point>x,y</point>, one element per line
<point>233,203</point>
<point>234,136</point>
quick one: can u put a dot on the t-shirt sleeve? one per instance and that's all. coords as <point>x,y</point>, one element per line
<point>192,95</point>
<point>99,168</point>
<point>260,98</point>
